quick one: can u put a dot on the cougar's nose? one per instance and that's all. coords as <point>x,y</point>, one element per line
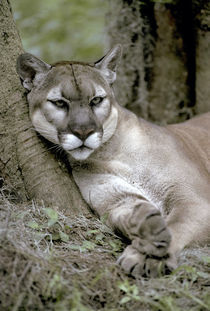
<point>83,133</point>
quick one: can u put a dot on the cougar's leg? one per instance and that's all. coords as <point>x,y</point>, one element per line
<point>189,225</point>
<point>150,238</point>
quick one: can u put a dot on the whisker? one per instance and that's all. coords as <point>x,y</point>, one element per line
<point>42,131</point>
<point>56,148</point>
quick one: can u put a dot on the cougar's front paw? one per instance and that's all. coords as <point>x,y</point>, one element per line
<point>137,264</point>
<point>148,254</point>
<point>153,237</point>
<point>132,262</point>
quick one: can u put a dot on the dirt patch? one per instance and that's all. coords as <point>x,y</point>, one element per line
<point>52,262</point>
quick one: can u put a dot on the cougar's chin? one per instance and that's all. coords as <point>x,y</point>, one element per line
<point>81,153</point>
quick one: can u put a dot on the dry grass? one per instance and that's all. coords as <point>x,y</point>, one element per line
<point>51,262</point>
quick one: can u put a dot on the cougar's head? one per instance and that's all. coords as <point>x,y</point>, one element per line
<point>71,103</point>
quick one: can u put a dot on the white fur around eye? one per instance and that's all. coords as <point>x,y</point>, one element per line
<point>54,94</point>
<point>102,110</point>
<point>53,113</point>
<point>99,91</point>
<point>60,115</point>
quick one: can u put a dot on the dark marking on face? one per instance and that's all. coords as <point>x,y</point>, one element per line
<point>76,83</point>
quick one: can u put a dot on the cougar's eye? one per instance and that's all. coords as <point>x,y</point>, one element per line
<point>96,101</point>
<point>60,104</point>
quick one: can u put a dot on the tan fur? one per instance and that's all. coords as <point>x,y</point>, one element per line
<point>152,182</point>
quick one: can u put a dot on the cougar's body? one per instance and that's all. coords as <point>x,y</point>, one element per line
<point>152,182</point>
<point>142,164</point>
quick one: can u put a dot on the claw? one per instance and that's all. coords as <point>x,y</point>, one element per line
<point>131,260</point>
<point>148,254</point>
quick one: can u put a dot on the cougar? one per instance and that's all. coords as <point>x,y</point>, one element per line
<point>151,182</point>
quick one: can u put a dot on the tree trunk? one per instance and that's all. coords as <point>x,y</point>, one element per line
<point>163,72</point>
<point>25,162</point>
<point>172,86</point>
<point>202,14</point>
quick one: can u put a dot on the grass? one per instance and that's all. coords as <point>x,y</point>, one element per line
<point>51,262</point>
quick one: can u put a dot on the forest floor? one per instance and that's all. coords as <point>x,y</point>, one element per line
<point>52,262</point>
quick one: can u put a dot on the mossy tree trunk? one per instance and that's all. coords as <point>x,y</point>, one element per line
<point>165,70</point>
<point>25,161</point>
<point>202,22</point>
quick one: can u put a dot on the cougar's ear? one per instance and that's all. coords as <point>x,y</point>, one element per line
<point>108,64</point>
<point>30,67</point>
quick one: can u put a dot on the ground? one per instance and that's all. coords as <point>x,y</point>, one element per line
<point>52,262</point>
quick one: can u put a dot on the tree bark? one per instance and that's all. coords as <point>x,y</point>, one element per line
<point>25,162</point>
<point>164,75</point>
<point>202,19</point>
<point>172,86</point>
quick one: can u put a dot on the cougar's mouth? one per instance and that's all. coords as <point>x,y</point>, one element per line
<point>70,142</point>
<point>82,148</point>
<point>81,153</point>
<point>78,149</point>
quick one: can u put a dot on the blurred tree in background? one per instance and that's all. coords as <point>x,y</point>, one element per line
<point>164,75</point>
<point>62,29</point>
